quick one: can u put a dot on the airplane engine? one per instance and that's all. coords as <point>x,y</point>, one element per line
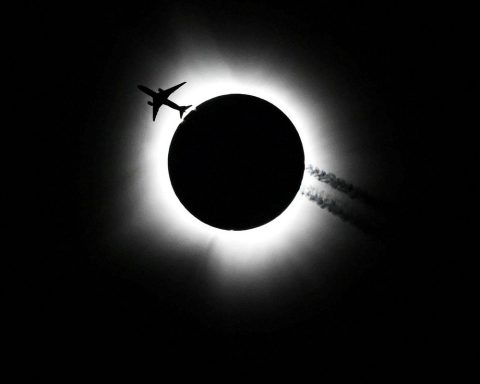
<point>149,103</point>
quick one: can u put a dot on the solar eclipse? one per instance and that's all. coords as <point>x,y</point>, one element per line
<point>236,162</point>
<point>201,238</point>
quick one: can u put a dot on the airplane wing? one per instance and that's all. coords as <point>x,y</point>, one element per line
<point>155,108</point>
<point>169,91</point>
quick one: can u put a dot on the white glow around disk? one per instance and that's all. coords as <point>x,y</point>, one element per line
<point>159,216</point>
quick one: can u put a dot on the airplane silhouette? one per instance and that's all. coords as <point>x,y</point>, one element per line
<point>161,97</point>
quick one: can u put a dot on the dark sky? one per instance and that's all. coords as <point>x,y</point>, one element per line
<point>70,298</point>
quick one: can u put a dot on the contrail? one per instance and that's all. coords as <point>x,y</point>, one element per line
<point>341,185</point>
<point>368,225</point>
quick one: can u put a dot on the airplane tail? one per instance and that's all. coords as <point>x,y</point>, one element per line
<point>183,109</point>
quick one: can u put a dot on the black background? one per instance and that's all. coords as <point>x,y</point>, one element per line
<point>67,306</point>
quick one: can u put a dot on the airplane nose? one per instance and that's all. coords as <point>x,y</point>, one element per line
<point>142,88</point>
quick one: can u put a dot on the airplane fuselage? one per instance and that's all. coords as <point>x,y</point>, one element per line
<point>161,98</point>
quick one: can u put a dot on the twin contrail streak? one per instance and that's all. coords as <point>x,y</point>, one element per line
<point>341,185</point>
<point>370,221</point>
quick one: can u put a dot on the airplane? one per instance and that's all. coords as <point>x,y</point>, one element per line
<point>161,97</point>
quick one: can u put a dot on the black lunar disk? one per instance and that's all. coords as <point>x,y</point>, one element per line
<point>236,162</point>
